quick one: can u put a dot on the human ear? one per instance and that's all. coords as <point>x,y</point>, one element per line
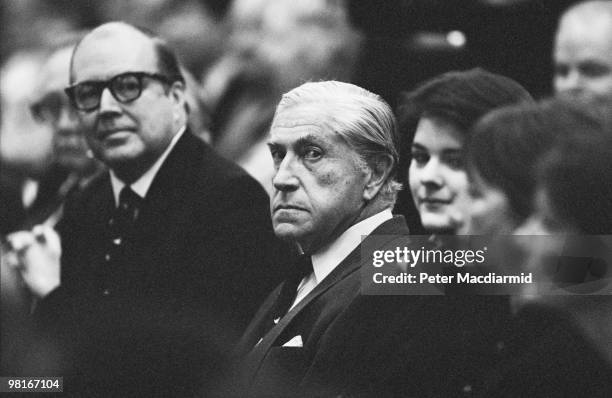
<point>177,96</point>
<point>378,173</point>
<point>177,93</point>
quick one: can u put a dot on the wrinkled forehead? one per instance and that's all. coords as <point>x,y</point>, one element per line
<point>315,113</point>
<point>301,119</point>
<point>113,49</point>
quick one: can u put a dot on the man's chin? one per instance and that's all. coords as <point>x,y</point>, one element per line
<point>287,231</point>
<point>118,155</point>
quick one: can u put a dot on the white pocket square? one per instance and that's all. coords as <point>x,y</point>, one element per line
<point>294,342</point>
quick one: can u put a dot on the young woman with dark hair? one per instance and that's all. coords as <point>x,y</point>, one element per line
<point>435,120</point>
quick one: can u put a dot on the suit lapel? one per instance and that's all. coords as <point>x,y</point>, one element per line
<point>349,265</point>
<point>169,197</point>
<point>101,206</point>
<point>256,328</point>
<point>255,358</point>
<point>172,177</point>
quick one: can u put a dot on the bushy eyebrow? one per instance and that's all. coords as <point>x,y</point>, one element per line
<point>309,139</point>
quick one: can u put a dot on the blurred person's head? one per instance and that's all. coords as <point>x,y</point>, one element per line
<point>295,41</point>
<point>573,198</point>
<point>309,39</point>
<point>130,94</point>
<point>334,150</point>
<point>573,193</point>
<point>51,106</point>
<point>435,119</point>
<point>583,50</point>
<point>503,150</point>
<point>189,26</point>
<point>25,145</point>
<point>198,116</point>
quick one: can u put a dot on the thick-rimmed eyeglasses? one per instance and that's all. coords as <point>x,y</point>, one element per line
<point>126,87</point>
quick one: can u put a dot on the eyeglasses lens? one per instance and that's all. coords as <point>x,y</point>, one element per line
<point>87,95</point>
<point>126,87</point>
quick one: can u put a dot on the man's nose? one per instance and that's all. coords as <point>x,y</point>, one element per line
<point>430,173</point>
<point>571,83</point>
<point>108,103</point>
<point>285,178</point>
<point>67,123</point>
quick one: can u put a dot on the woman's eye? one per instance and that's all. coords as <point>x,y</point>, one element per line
<point>420,157</point>
<point>455,161</point>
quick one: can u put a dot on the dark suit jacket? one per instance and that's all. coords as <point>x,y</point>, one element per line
<point>195,267</point>
<point>356,345</point>
<point>549,355</point>
<point>346,336</point>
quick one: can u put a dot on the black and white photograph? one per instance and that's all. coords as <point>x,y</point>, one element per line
<point>306,198</point>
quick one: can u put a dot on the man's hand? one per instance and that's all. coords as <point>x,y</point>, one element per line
<point>37,255</point>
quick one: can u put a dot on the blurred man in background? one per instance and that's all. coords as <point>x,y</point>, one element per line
<point>73,166</point>
<point>51,107</point>
<point>49,180</point>
<point>583,50</point>
<point>26,153</point>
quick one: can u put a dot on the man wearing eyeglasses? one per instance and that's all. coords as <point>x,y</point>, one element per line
<point>71,170</point>
<point>166,257</point>
<point>51,107</point>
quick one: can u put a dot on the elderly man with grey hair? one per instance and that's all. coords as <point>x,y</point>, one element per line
<point>334,151</point>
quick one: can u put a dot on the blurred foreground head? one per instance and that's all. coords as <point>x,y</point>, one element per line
<point>573,192</point>
<point>504,149</point>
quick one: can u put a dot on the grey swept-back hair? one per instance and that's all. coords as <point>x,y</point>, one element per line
<point>361,118</point>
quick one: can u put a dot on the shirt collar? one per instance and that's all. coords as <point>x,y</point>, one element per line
<point>141,186</point>
<point>325,260</point>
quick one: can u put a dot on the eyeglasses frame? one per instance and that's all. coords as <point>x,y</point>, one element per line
<point>104,84</point>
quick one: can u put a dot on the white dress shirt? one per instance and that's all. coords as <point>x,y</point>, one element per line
<point>329,257</point>
<point>141,186</point>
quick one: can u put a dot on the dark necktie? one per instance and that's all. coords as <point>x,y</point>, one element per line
<point>120,228</point>
<point>123,219</point>
<point>302,268</point>
<point>127,211</point>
